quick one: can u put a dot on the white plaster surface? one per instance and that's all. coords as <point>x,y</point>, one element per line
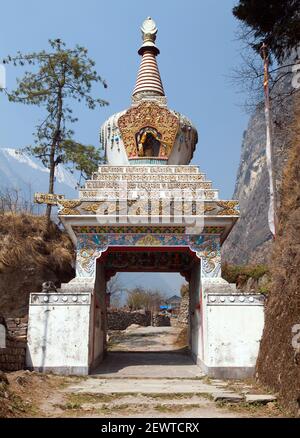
<point>2,336</point>
<point>233,335</point>
<point>58,337</point>
<point>233,325</point>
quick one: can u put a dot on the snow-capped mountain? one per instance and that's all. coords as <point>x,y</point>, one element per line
<point>19,170</point>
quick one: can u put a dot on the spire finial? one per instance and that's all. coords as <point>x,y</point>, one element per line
<point>148,83</point>
<point>149,31</point>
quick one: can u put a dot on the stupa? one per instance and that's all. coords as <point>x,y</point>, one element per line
<point>147,210</point>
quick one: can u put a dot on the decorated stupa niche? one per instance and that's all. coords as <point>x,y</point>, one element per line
<point>148,132</point>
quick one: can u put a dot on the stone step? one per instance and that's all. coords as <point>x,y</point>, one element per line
<point>228,397</point>
<point>185,177</point>
<point>157,169</point>
<point>145,386</point>
<point>153,185</point>
<point>259,398</point>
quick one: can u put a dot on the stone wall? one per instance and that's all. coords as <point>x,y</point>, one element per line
<point>17,327</point>
<point>159,320</point>
<point>120,319</point>
<point>12,358</point>
<point>182,318</point>
<point>12,348</point>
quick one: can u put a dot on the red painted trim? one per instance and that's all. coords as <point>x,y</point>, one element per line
<point>175,249</point>
<point>94,325</point>
<point>201,315</point>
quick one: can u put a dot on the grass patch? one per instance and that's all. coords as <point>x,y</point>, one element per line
<point>179,396</point>
<point>240,274</point>
<point>96,398</point>
<point>69,406</point>
<point>253,409</point>
<point>175,408</point>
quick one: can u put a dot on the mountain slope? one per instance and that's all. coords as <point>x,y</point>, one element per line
<point>250,239</point>
<point>27,174</point>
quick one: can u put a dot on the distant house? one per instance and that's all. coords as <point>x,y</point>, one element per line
<point>173,303</point>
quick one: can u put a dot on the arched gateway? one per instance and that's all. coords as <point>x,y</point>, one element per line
<point>146,210</point>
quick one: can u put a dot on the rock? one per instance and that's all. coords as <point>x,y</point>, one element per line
<point>49,286</point>
<point>3,378</point>
<point>22,380</point>
<point>251,285</point>
<point>133,327</point>
<point>219,383</point>
<point>259,398</point>
<point>228,397</point>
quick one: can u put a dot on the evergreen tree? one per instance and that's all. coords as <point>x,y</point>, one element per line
<point>63,75</point>
<point>274,22</point>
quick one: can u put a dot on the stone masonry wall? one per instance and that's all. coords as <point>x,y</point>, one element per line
<point>182,318</point>
<point>161,320</point>
<point>120,319</point>
<point>12,356</point>
<point>17,327</point>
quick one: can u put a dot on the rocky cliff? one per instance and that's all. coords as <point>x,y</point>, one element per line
<point>250,239</point>
<point>278,364</point>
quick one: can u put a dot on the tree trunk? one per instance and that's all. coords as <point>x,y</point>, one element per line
<point>52,161</point>
<point>51,183</point>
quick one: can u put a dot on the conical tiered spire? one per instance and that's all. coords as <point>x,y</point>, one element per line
<point>148,80</point>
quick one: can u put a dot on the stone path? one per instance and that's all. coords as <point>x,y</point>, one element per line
<point>143,397</point>
<point>148,365</point>
<point>146,384</point>
<point>136,338</point>
<point>163,382</point>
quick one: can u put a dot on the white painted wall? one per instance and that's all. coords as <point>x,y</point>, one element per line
<point>2,336</point>
<point>233,335</point>
<point>195,314</point>
<point>58,333</point>
<point>232,328</point>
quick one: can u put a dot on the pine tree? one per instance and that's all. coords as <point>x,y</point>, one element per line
<point>63,75</point>
<point>273,22</point>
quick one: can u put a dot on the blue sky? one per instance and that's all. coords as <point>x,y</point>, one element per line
<point>198,47</point>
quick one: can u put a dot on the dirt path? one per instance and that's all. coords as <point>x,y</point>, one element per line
<point>140,383</point>
<point>136,338</point>
<point>39,395</point>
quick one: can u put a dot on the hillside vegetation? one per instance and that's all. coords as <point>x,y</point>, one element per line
<point>279,362</point>
<point>27,259</point>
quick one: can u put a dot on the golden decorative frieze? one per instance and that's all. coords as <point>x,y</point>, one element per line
<point>101,207</point>
<point>48,198</point>
<point>148,240</point>
<point>69,207</point>
<point>157,206</point>
<point>69,203</point>
<point>228,208</point>
<point>69,212</point>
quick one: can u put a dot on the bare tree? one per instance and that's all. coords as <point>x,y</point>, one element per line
<point>16,200</point>
<point>141,298</point>
<point>114,289</point>
<point>248,77</point>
